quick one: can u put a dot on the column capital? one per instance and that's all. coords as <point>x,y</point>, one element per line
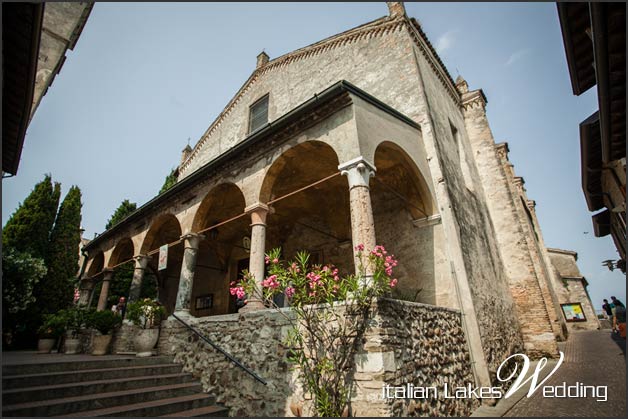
<point>258,212</point>
<point>107,274</point>
<point>358,171</point>
<point>141,261</point>
<point>192,240</point>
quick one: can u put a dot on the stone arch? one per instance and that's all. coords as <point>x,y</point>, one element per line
<point>396,168</point>
<point>317,219</point>
<point>165,229</point>
<point>96,265</point>
<point>323,162</point>
<point>221,253</point>
<point>225,197</point>
<point>124,250</point>
<point>403,210</point>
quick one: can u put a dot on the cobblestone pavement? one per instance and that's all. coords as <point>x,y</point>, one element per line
<point>592,358</point>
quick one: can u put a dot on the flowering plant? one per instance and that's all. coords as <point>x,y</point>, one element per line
<point>146,313</point>
<point>331,312</point>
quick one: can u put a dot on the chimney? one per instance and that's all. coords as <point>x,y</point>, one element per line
<point>396,8</point>
<point>262,59</point>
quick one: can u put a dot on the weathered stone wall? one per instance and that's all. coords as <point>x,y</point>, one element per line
<point>477,257</point>
<point>425,346</point>
<point>378,63</point>
<point>406,343</point>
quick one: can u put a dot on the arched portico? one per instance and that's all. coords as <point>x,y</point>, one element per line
<point>221,254</point>
<point>403,211</point>
<point>165,229</point>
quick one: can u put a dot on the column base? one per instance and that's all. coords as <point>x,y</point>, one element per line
<point>183,314</point>
<point>254,305</point>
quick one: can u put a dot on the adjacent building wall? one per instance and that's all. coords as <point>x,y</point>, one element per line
<point>571,287</point>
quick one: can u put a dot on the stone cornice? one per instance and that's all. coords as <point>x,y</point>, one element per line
<point>502,150</point>
<point>474,99</point>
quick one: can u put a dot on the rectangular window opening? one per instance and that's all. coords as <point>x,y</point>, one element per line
<point>258,114</point>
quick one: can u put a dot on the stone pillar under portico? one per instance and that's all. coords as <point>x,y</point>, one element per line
<point>258,214</point>
<point>141,262</point>
<point>358,172</point>
<point>186,280</point>
<point>104,290</point>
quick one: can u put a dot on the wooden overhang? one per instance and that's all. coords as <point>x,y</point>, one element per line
<point>21,33</point>
<point>594,36</point>
<point>336,96</point>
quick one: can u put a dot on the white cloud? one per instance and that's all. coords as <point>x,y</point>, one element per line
<point>445,41</point>
<point>517,55</point>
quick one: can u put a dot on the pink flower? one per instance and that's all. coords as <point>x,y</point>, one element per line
<point>393,283</point>
<point>289,292</point>
<point>336,278</point>
<point>275,261</point>
<point>359,247</point>
<point>267,260</point>
<point>240,293</point>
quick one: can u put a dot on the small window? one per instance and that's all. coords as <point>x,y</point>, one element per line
<point>258,114</point>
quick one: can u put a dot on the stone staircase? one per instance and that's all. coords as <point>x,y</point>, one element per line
<point>106,386</point>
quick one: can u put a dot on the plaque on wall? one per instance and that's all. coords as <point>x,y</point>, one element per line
<point>204,301</point>
<point>573,312</point>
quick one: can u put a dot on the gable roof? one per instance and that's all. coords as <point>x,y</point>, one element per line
<point>375,27</point>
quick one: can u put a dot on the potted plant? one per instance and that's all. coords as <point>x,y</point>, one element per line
<point>146,314</point>
<point>75,320</point>
<point>49,332</point>
<point>104,322</point>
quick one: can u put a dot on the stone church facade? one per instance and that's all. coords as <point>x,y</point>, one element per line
<point>361,138</point>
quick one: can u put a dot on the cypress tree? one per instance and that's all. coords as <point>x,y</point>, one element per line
<point>124,210</point>
<point>28,229</point>
<point>57,289</point>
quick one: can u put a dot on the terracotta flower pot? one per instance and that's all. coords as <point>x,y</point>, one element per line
<point>45,345</point>
<point>100,344</point>
<point>145,340</point>
<point>72,346</point>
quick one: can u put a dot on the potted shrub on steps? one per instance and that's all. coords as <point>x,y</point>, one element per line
<point>105,322</point>
<point>146,314</point>
<point>52,328</point>
<point>75,319</point>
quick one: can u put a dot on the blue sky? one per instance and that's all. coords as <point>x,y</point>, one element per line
<point>144,78</point>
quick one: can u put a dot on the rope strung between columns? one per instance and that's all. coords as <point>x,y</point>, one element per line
<point>400,196</point>
<point>155,251</point>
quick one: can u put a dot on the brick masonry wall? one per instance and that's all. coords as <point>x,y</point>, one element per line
<point>406,343</point>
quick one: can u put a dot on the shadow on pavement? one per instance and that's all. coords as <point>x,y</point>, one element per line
<point>621,342</point>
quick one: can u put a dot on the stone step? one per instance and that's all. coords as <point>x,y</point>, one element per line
<point>152,408</point>
<point>200,412</point>
<point>65,406</point>
<point>63,377</point>
<point>60,391</point>
<point>83,363</point>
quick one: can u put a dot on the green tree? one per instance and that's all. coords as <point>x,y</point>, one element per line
<point>170,181</point>
<point>20,273</point>
<point>56,291</point>
<point>125,209</point>
<point>28,229</point>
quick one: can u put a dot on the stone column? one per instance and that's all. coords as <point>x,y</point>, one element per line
<point>258,214</point>
<point>104,291</point>
<point>358,172</point>
<point>86,289</point>
<point>141,262</point>
<point>186,280</point>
